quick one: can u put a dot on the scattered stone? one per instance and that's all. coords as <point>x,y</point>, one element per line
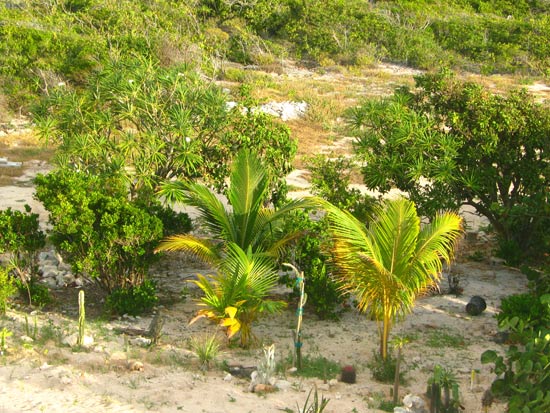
<point>413,404</point>
<point>140,341</point>
<point>283,385</point>
<point>228,377</point>
<point>135,366</point>
<point>241,371</point>
<point>495,261</point>
<point>66,380</point>
<point>45,366</point>
<point>71,340</point>
<point>263,388</point>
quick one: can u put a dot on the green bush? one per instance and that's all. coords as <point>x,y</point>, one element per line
<point>468,143</point>
<point>101,233</point>
<point>37,294</point>
<point>319,367</point>
<point>323,296</point>
<point>522,374</point>
<point>133,300</point>
<point>7,289</point>
<point>22,238</point>
<point>526,307</point>
<point>383,370</point>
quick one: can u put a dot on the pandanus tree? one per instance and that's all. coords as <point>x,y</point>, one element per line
<point>387,263</point>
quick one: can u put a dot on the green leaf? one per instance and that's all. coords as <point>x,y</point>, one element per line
<point>489,356</point>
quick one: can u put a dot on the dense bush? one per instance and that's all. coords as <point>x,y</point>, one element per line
<point>34,291</point>
<point>133,300</point>
<point>331,180</point>
<point>308,254</point>
<point>473,147</point>
<point>7,289</point>
<point>528,308</point>
<point>22,238</point>
<point>100,232</point>
<point>522,374</point>
<point>43,44</point>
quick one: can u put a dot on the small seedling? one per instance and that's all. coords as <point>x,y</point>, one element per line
<point>316,405</point>
<point>4,333</point>
<point>443,380</point>
<point>206,348</point>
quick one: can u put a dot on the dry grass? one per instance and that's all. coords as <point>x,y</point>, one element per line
<point>21,147</point>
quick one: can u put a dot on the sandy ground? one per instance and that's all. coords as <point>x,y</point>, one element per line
<point>46,376</point>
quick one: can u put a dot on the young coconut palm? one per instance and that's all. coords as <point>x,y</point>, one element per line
<point>236,296</point>
<point>389,262</point>
<point>248,222</point>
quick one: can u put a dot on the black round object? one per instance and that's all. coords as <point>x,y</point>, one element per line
<point>476,305</point>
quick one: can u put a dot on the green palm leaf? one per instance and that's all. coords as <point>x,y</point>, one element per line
<point>387,264</point>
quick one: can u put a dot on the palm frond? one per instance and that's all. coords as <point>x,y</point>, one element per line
<point>202,248</point>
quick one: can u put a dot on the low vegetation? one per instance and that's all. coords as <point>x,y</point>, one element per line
<point>126,96</point>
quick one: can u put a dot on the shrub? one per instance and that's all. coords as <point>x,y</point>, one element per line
<point>322,290</point>
<point>37,294</point>
<point>133,300</point>
<point>443,391</point>
<point>383,370</point>
<point>526,307</point>
<point>319,367</point>
<point>7,289</point>
<point>21,237</point>
<point>100,232</point>
<point>522,374</point>
<point>206,348</point>
<point>468,143</point>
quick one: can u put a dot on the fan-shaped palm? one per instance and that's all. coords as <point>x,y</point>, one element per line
<point>236,296</point>
<point>387,264</point>
<point>247,222</point>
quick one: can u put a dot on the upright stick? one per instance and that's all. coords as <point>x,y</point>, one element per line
<point>300,283</point>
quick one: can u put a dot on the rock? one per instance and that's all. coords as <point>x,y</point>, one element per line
<point>228,377</point>
<point>292,370</point>
<point>140,341</point>
<point>283,385</point>
<point>135,366</point>
<point>414,404</point>
<point>87,341</point>
<point>26,339</point>
<point>400,410</point>
<point>66,380</point>
<point>263,388</point>
<point>495,261</point>
<point>50,283</point>
<point>45,366</point>
<point>332,382</point>
<point>70,340</point>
